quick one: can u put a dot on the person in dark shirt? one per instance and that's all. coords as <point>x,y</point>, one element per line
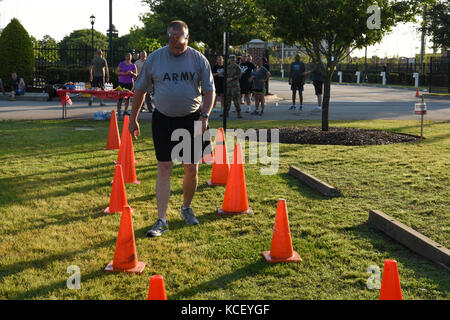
<point>17,86</point>
<point>297,80</point>
<point>246,84</point>
<point>218,74</point>
<point>2,87</point>
<point>267,66</point>
<point>317,79</point>
<point>52,86</point>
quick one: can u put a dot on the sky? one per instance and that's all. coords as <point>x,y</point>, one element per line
<point>58,20</point>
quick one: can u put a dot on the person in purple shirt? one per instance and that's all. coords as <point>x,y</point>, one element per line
<point>127,73</point>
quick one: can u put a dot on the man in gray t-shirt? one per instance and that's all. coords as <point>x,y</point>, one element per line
<point>179,75</point>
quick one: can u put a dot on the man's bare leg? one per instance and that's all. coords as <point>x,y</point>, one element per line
<point>163,187</point>
<point>190,183</point>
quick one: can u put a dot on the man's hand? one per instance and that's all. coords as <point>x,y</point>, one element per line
<point>204,124</point>
<point>134,128</point>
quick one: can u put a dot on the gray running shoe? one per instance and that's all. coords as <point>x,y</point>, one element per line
<point>158,229</point>
<point>188,216</point>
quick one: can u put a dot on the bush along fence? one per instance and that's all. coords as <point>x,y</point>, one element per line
<point>434,75</point>
<point>71,64</point>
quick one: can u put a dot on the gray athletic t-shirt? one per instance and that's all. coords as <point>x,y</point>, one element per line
<point>177,80</point>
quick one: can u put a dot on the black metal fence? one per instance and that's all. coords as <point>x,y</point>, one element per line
<point>435,75</point>
<point>71,64</point>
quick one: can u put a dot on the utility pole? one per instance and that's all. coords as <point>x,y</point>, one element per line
<point>225,98</point>
<point>422,45</point>
<point>110,34</point>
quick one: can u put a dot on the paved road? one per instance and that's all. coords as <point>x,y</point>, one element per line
<point>347,103</point>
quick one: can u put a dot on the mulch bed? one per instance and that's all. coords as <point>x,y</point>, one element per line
<point>341,136</point>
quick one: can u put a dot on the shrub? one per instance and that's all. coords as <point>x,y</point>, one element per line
<point>16,50</point>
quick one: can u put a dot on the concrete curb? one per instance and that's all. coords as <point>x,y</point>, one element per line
<point>314,183</point>
<point>410,238</point>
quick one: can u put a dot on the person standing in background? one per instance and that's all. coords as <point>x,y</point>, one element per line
<point>247,68</point>
<point>233,89</point>
<point>139,64</point>
<point>217,72</point>
<point>97,71</point>
<point>267,66</point>
<point>127,73</point>
<point>297,80</point>
<point>259,76</point>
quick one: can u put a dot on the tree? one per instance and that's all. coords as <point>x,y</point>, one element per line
<point>16,50</point>
<point>436,24</point>
<point>45,50</point>
<point>208,20</point>
<point>327,29</point>
<point>75,49</point>
<point>139,40</point>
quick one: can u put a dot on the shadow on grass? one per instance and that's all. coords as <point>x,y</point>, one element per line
<point>17,187</point>
<point>421,266</point>
<point>223,281</point>
<point>61,220</point>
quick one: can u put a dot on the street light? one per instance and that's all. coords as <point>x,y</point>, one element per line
<point>92,23</point>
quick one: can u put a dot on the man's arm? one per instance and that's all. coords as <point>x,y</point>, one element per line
<point>107,72</point>
<point>208,101</point>
<point>90,73</point>
<point>138,99</point>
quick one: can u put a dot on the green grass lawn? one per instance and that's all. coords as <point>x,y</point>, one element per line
<point>55,184</point>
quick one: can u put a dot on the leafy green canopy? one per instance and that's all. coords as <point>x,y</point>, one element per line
<point>16,51</point>
<point>329,30</point>
<point>437,24</point>
<point>208,20</point>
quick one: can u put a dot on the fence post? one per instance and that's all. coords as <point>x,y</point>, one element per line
<point>431,74</point>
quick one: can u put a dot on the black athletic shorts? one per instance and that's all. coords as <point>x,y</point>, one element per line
<point>297,86</point>
<point>246,86</point>
<point>98,82</point>
<point>219,86</point>
<point>318,86</point>
<point>162,129</point>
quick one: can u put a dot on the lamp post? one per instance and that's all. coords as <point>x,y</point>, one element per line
<point>92,33</point>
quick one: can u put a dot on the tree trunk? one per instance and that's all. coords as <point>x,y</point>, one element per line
<point>326,102</point>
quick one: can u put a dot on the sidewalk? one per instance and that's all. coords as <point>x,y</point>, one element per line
<point>347,103</point>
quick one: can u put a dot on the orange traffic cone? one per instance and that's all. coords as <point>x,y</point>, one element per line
<point>236,201</point>
<point>113,135</point>
<point>125,132</point>
<point>281,249</point>
<point>221,166</point>
<point>125,257</point>
<point>118,197</point>
<point>156,290</point>
<point>126,155</point>
<point>390,284</point>
<point>417,93</point>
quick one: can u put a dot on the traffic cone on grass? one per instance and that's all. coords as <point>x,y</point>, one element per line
<point>125,133</point>
<point>156,290</point>
<point>126,155</point>
<point>281,249</point>
<point>118,197</point>
<point>221,166</point>
<point>235,200</point>
<point>113,135</point>
<point>125,257</point>
<point>390,283</point>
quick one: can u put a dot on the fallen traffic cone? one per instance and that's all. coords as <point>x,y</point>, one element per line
<point>417,93</point>
<point>221,166</point>
<point>126,155</point>
<point>235,200</point>
<point>118,197</point>
<point>156,290</point>
<point>281,249</point>
<point>113,135</point>
<point>125,257</point>
<point>390,284</point>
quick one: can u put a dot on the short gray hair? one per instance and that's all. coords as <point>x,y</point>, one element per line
<point>178,25</point>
